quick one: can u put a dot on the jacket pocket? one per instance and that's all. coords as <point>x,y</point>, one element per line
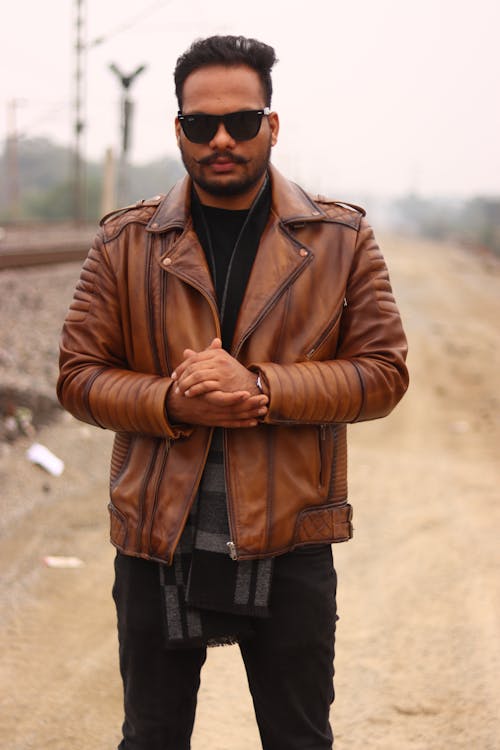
<point>326,448</point>
<point>120,456</point>
<point>118,527</point>
<point>326,334</point>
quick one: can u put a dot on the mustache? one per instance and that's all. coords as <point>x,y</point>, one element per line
<point>227,155</point>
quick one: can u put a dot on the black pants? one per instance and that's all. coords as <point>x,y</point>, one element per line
<point>289,662</point>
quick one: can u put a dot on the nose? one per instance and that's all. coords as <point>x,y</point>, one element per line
<point>222,139</point>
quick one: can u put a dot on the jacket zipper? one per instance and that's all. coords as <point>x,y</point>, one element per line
<point>166,449</point>
<point>322,441</point>
<point>326,332</point>
<point>147,477</point>
<point>147,286</point>
<point>231,546</point>
<point>333,470</point>
<point>163,296</point>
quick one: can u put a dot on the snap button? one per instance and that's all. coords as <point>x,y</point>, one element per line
<point>316,213</point>
<point>155,224</point>
<point>303,252</point>
<point>167,261</point>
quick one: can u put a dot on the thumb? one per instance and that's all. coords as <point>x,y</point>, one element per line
<point>215,344</point>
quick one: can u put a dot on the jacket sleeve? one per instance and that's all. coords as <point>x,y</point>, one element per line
<point>368,375</point>
<point>95,383</point>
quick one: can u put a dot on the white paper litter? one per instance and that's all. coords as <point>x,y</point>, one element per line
<point>39,454</point>
<point>56,561</point>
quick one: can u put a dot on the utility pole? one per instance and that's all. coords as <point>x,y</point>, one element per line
<point>108,200</point>
<point>126,109</point>
<point>79,181</point>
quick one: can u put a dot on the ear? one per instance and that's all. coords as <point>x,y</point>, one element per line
<point>178,131</point>
<point>274,124</point>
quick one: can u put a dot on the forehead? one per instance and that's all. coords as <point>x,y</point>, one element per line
<point>216,89</point>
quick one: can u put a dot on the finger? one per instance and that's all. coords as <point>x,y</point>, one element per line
<point>225,398</point>
<point>240,423</point>
<point>187,354</point>
<point>195,359</point>
<point>200,388</point>
<point>240,413</point>
<point>243,409</point>
<point>195,385</point>
<point>190,353</point>
<point>258,400</point>
<point>189,362</point>
<point>252,404</point>
<point>214,344</point>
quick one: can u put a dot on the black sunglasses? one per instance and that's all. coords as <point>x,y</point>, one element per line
<point>242,126</point>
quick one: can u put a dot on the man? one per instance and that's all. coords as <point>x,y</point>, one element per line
<point>227,333</point>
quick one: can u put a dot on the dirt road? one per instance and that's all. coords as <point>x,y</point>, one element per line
<point>418,649</point>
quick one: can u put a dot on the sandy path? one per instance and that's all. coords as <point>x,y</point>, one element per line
<point>418,650</point>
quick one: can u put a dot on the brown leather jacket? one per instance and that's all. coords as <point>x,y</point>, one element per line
<point>318,322</point>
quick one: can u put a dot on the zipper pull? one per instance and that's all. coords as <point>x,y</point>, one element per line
<point>231,548</point>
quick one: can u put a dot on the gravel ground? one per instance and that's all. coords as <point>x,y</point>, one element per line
<point>33,303</point>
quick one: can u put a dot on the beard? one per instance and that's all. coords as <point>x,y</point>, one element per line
<point>252,173</point>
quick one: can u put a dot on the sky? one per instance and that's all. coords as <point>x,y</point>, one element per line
<point>374,96</point>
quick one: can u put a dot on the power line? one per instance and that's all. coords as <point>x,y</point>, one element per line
<point>47,115</point>
<point>127,24</point>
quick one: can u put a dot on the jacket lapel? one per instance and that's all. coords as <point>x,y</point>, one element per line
<point>184,257</point>
<point>278,262</point>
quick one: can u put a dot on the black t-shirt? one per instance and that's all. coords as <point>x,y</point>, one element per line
<point>224,227</point>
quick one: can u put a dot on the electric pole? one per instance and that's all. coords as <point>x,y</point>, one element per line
<point>79,186</point>
<point>126,110</point>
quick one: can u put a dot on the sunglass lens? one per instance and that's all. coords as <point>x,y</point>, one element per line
<point>199,128</point>
<point>243,126</point>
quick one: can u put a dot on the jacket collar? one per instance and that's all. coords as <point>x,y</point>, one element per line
<point>289,202</point>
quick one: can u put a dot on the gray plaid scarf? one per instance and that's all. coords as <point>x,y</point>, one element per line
<point>210,599</point>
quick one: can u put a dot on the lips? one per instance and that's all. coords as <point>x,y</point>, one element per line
<point>222,165</point>
<point>222,160</point>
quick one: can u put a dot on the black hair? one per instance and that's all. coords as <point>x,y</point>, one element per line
<point>226,50</point>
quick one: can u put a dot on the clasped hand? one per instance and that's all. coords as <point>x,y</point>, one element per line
<point>212,388</point>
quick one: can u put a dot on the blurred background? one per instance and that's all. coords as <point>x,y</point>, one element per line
<point>388,103</point>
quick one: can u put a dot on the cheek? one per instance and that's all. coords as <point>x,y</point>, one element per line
<point>186,151</point>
